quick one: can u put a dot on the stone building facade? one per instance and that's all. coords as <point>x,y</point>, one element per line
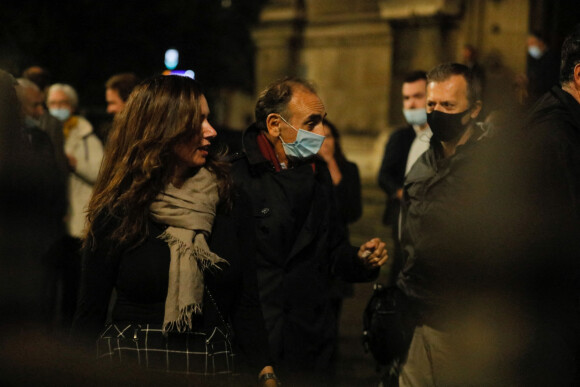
<point>356,53</point>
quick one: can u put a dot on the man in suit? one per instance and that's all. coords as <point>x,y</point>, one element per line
<point>404,147</point>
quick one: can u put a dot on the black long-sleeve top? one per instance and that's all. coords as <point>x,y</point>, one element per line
<point>140,277</point>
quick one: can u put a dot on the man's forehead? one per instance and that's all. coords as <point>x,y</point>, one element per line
<point>413,87</point>
<point>455,85</point>
<point>306,102</point>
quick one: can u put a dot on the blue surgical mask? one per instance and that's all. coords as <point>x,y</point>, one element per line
<point>535,52</point>
<point>415,116</point>
<point>62,113</point>
<point>306,144</point>
<point>30,122</point>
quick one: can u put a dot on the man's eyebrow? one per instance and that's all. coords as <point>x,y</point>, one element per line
<point>315,117</point>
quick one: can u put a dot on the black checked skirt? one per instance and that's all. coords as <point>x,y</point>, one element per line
<point>196,353</point>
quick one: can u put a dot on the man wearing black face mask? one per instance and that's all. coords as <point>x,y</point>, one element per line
<point>437,177</point>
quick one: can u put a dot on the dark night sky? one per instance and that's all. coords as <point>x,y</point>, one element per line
<point>83,42</point>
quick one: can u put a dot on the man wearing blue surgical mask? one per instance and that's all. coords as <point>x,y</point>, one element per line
<point>403,148</point>
<point>300,242</point>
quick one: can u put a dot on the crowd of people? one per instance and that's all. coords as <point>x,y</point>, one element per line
<point>174,255</point>
<point>176,260</point>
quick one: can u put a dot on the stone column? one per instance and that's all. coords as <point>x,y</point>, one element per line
<point>278,40</point>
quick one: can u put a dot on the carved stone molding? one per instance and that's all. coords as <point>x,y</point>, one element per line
<point>397,9</point>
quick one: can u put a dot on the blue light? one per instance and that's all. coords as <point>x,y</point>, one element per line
<point>183,73</point>
<point>171,58</point>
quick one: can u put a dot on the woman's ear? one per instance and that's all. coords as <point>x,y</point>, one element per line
<point>273,124</point>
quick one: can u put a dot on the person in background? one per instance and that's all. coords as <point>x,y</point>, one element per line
<point>344,173</point>
<point>404,147</point>
<point>30,203</point>
<point>543,67</point>
<point>83,149</point>
<point>471,60</point>
<point>117,90</point>
<point>347,186</point>
<point>301,243</point>
<point>32,98</point>
<point>41,76</point>
<point>149,224</point>
<point>84,152</point>
<point>35,116</point>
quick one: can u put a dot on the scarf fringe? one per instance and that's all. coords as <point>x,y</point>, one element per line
<point>205,258</point>
<point>184,321</point>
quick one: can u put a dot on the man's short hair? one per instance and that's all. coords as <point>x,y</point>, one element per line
<point>123,84</point>
<point>444,71</point>
<point>570,55</point>
<point>414,76</point>
<point>275,98</point>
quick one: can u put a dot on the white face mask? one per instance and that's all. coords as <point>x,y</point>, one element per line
<point>415,116</point>
<point>535,52</point>
<point>306,144</point>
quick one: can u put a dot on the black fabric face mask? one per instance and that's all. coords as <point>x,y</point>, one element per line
<point>447,126</point>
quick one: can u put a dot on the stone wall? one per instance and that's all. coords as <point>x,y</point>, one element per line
<point>357,53</point>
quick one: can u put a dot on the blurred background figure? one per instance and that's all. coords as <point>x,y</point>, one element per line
<point>27,204</point>
<point>117,91</point>
<point>40,76</point>
<point>347,186</point>
<point>344,174</point>
<point>41,152</point>
<point>543,66</point>
<point>35,115</point>
<point>403,148</point>
<point>84,152</point>
<point>471,60</point>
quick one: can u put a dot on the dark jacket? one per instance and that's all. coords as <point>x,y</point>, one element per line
<point>434,188</point>
<point>551,180</point>
<point>552,130</point>
<point>300,242</point>
<point>348,192</point>
<point>392,172</point>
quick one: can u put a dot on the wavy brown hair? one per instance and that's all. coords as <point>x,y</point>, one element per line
<point>139,158</point>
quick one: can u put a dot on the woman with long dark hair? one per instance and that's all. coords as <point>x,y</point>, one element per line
<point>178,297</point>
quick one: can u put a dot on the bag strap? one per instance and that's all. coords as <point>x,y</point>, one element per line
<point>221,317</point>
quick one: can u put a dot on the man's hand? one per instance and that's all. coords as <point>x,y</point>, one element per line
<point>373,253</point>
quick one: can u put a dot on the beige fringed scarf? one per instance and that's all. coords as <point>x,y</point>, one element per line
<point>189,212</point>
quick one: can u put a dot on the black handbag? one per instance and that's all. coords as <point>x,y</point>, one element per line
<point>387,324</point>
